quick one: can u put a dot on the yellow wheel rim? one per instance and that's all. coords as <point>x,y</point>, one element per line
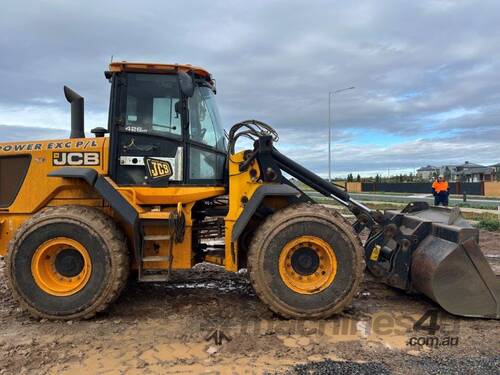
<point>307,265</point>
<point>61,266</point>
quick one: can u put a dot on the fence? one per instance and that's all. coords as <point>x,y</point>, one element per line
<point>472,188</point>
<point>354,187</point>
<point>492,189</point>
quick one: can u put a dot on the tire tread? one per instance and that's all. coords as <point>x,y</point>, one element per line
<point>281,216</point>
<point>98,222</point>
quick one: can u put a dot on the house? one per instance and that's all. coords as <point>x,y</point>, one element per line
<point>427,173</point>
<point>496,167</point>
<point>449,172</point>
<point>472,172</point>
<point>466,172</point>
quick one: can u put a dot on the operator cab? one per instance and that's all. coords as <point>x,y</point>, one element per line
<point>165,126</point>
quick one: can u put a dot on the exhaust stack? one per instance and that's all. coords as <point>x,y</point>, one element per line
<point>77,107</point>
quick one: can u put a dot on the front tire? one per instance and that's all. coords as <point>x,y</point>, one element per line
<point>306,262</point>
<point>67,262</point>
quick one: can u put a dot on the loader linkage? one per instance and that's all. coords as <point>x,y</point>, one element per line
<point>423,249</point>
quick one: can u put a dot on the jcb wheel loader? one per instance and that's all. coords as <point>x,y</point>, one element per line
<point>164,191</point>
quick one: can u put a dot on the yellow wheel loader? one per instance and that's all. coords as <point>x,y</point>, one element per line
<point>166,190</point>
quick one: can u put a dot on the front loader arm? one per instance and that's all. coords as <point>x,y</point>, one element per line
<point>365,217</point>
<point>272,162</point>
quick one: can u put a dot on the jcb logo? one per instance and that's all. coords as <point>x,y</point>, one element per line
<point>75,158</point>
<point>158,168</point>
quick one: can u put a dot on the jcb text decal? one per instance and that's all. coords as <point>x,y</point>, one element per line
<point>75,158</point>
<point>158,168</point>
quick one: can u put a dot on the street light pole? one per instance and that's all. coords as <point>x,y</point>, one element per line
<point>331,104</point>
<point>329,136</point>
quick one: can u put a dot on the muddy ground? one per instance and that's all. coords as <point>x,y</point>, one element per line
<point>173,328</point>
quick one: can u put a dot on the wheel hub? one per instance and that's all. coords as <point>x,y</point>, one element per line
<point>305,261</point>
<point>61,266</point>
<point>307,265</point>
<point>69,262</point>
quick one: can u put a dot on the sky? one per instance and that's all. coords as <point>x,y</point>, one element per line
<point>426,73</point>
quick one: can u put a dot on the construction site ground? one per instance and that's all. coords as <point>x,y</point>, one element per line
<point>209,321</point>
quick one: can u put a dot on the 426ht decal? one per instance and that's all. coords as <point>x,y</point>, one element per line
<point>60,159</point>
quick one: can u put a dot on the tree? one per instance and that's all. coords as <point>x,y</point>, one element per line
<point>350,177</point>
<point>358,178</point>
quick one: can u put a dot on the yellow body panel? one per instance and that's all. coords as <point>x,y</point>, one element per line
<point>9,223</point>
<point>182,252</point>
<point>169,195</point>
<point>242,186</point>
<point>38,190</point>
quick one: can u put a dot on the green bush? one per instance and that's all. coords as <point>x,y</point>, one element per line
<point>492,225</point>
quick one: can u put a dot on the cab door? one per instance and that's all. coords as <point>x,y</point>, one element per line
<point>146,126</point>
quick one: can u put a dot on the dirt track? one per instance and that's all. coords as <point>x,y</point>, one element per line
<point>156,328</point>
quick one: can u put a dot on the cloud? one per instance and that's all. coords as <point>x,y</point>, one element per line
<point>426,73</point>
<point>47,115</point>
<point>12,133</point>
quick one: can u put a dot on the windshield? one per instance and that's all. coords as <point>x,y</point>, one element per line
<point>205,125</point>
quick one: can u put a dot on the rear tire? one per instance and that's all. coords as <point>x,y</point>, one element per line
<point>306,262</point>
<point>67,262</point>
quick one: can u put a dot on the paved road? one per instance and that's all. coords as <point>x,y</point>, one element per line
<point>413,198</point>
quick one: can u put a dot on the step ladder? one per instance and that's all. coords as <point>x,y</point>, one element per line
<point>155,275</point>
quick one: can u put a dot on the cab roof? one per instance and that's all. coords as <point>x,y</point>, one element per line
<point>126,66</point>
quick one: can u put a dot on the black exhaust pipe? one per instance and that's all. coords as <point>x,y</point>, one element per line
<point>77,124</point>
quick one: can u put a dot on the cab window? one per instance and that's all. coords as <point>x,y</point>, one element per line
<point>153,104</point>
<point>204,120</point>
<point>205,165</point>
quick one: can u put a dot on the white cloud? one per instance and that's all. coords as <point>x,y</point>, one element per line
<point>47,117</point>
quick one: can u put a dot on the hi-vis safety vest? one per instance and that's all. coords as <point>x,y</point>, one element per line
<point>440,186</point>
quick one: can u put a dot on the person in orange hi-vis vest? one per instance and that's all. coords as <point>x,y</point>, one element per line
<point>441,191</point>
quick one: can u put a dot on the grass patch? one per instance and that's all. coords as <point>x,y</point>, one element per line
<point>489,224</point>
<point>475,205</point>
<point>478,216</point>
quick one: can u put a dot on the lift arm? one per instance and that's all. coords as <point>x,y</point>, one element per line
<point>272,162</point>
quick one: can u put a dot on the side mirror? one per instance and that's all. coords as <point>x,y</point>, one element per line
<point>186,83</point>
